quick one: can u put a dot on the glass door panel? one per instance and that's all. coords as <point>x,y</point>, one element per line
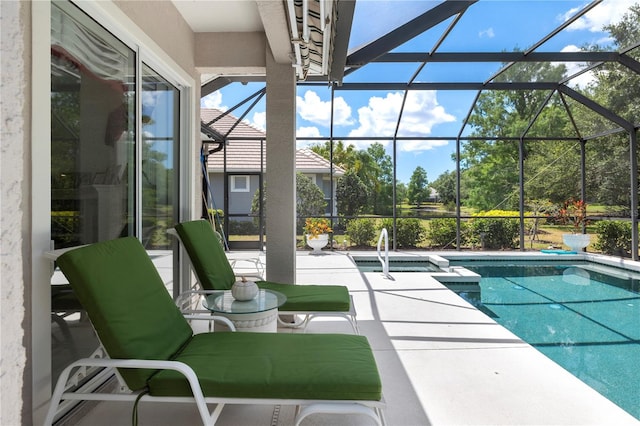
<point>160,133</point>
<point>93,98</point>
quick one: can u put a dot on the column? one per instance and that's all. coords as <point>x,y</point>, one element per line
<point>280,171</point>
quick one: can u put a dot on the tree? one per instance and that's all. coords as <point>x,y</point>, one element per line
<point>309,199</point>
<point>373,166</point>
<point>491,166</point>
<point>382,179</point>
<point>352,194</point>
<point>445,184</point>
<point>401,192</point>
<point>418,191</point>
<point>618,89</point>
<point>343,156</point>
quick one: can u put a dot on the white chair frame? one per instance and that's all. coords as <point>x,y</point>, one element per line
<point>304,407</point>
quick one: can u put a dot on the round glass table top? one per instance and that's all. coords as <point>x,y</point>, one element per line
<point>223,302</point>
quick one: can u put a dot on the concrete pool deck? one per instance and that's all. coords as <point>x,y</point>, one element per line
<point>442,362</point>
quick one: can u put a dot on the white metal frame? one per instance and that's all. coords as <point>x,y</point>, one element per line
<point>304,407</point>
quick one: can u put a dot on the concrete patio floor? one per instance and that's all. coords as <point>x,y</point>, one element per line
<point>442,362</point>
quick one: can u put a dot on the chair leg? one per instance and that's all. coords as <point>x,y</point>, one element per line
<point>296,324</point>
<point>57,395</point>
<point>328,408</point>
<point>302,324</point>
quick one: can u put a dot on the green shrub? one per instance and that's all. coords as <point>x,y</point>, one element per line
<point>410,232</point>
<point>237,227</point>
<point>442,232</point>
<point>386,222</point>
<point>494,234</point>
<point>614,238</point>
<point>218,218</point>
<point>361,231</point>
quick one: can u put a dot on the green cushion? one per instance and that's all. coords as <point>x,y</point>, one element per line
<point>307,298</point>
<point>207,255</point>
<point>267,365</point>
<point>127,302</point>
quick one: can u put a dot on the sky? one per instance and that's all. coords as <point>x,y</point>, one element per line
<point>487,26</point>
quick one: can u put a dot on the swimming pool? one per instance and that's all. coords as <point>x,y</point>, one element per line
<point>584,317</point>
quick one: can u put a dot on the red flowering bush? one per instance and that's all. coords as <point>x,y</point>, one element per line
<point>574,212</point>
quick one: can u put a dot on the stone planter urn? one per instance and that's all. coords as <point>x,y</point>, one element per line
<point>576,242</point>
<point>317,242</point>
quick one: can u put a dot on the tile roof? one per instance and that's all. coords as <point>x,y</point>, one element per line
<point>244,155</point>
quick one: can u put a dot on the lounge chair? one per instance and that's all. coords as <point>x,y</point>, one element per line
<point>158,357</point>
<point>214,272</point>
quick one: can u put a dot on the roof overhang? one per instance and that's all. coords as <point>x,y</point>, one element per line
<point>232,38</point>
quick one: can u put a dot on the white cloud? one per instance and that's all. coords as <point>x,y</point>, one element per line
<point>606,13</point>
<point>260,120</point>
<point>574,67</point>
<point>313,109</point>
<point>419,146</point>
<point>149,98</point>
<point>308,132</point>
<point>213,100</point>
<point>487,33</point>
<point>421,113</point>
<point>301,132</point>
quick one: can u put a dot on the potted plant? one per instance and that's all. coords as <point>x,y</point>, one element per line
<point>317,233</point>
<point>575,212</point>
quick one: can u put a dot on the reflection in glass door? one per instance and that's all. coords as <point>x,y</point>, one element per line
<point>93,96</point>
<point>160,132</point>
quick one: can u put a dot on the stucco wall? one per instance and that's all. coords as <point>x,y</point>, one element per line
<point>162,22</point>
<point>14,206</point>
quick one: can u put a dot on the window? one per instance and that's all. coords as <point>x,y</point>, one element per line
<point>240,183</point>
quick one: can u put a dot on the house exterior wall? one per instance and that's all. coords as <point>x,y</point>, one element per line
<point>240,202</point>
<point>216,180</point>
<point>15,211</point>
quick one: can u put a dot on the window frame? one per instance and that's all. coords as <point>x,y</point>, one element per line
<point>233,185</point>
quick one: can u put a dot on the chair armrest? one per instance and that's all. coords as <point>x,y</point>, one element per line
<point>214,318</point>
<point>255,262</point>
<point>187,297</point>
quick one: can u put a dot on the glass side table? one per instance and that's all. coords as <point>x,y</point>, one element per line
<point>258,314</point>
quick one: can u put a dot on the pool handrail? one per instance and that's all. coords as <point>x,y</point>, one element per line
<point>385,262</point>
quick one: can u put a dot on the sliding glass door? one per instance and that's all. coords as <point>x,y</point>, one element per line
<point>115,139</point>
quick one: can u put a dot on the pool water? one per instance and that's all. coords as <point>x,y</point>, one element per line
<point>585,320</point>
